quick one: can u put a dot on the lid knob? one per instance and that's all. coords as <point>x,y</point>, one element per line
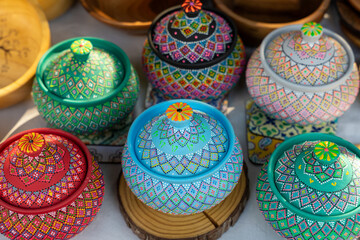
<point>326,152</point>
<point>81,49</point>
<point>179,114</point>
<point>311,31</point>
<point>31,143</point>
<point>192,7</point>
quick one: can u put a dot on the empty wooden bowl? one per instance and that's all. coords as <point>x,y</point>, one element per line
<point>350,20</point>
<point>134,14</point>
<point>21,47</point>
<point>55,8</point>
<point>256,18</point>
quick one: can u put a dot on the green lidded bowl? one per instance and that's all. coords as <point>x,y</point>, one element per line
<point>85,85</point>
<point>311,188</point>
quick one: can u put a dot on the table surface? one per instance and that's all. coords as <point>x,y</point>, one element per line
<point>109,223</point>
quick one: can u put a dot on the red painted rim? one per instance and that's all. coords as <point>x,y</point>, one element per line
<point>72,197</point>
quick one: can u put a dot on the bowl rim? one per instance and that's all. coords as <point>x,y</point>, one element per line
<point>302,88</point>
<point>108,19</point>
<point>323,6</point>
<point>160,108</point>
<point>193,66</point>
<point>71,198</point>
<point>44,45</point>
<point>288,144</point>
<point>97,42</point>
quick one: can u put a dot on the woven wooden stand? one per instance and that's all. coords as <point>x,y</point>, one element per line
<point>150,224</point>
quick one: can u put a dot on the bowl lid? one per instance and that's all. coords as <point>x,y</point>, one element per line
<point>306,55</point>
<point>42,170</point>
<point>192,37</point>
<point>83,70</point>
<point>317,176</point>
<point>181,140</point>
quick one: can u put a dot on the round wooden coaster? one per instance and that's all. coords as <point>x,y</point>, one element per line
<point>150,224</point>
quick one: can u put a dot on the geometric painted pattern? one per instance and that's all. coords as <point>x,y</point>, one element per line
<point>293,106</point>
<point>310,198</point>
<point>181,136</point>
<point>201,84</point>
<point>187,198</point>
<point>264,133</point>
<point>33,169</point>
<point>70,78</point>
<point>294,226</point>
<point>192,40</point>
<point>41,167</point>
<point>184,151</point>
<point>85,120</point>
<point>263,125</point>
<point>63,223</point>
<point>324,172</point>
<point>305,63</point>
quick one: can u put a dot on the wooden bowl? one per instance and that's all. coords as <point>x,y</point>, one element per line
<point>350,20</point>
<point>256,18</point>
<point>134,14</point>
<point>355,4</point>
<point>21,48</point>
<point>55,8</point>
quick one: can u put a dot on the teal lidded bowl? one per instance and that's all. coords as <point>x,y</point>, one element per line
<point>84,85</point>
<point>182,157</point>
<point>310,189</point>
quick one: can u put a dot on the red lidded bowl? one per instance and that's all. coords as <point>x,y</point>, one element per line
<point>50,185</point>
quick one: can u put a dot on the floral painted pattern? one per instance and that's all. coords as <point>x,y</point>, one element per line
<point>31,142</point>
<point>81,47</point>
<point>311,29</point>
<point>179,112</point>
<point>192,5</point>
<point>326,151</point>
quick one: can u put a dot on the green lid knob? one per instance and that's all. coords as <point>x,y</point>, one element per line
<point>311,31</point>
<point>326,152</point>
<point>81,49</point>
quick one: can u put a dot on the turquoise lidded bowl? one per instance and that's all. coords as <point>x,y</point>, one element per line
<point>182,157</point>
<point>85,85</point>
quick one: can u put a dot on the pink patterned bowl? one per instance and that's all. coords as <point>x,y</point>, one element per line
<point>50,185</point>
<point>303,77</point>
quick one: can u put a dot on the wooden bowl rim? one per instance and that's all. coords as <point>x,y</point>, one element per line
<point>321,9</point>
<point>103,17</point>
<point>45,44</point>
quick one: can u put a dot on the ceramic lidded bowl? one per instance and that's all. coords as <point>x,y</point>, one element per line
<point>303,75</point>
<point>310,188</point>
<point>51,187</point>
<point>193,53</point>
<point>182,157</point>
<point>85,85</point>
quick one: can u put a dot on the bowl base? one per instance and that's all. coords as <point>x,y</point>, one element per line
<point>264,133</point>
<point>148,223</point>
